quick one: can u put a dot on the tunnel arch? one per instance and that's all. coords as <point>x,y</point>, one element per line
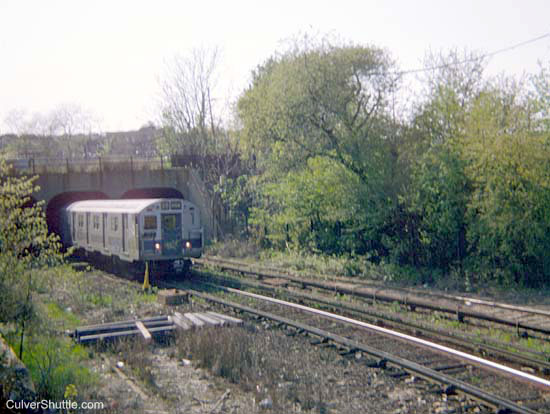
<point>152,192</point>
<point>58,202</point>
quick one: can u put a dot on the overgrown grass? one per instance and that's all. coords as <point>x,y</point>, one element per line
<point>135,353</point>
<point>455,280</point>
<point>54,362</point>
<point>260,362</point>
<point>61,317</point>
<point>241,249</point>
<point>64,299</point>
<point>501,335</point>
<point>141,297</point>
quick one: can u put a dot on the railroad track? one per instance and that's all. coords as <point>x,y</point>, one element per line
<point>508,352</point>
<point>494,387</point>
<point>525,320</point>
<point>520,357</point>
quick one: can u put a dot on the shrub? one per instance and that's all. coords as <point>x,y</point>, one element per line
<point>55,363</point>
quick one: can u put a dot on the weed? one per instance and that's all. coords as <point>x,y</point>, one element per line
<point>62,317</point>
<point>235,248</point>
<point>98,299</point>
<point>141,297</point>
<point>136,356</point>
<point>54,363</point>
<point>262,362</point>
<point>395,307</point>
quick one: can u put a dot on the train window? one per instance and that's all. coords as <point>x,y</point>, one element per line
<point>175,205</point>
<point>80,220</point>
<point>169,221</point>
<point>165,205</point>
<point>96,222</point>
<point>150,222</point>
<point>114,223</point>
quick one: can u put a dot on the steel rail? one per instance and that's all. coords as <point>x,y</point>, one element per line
<point>500,305</point>
<point>424,372</point>
<point>388,296</point>
<point>499,367</point>
<point>463,299</point>
<point>454,339</point>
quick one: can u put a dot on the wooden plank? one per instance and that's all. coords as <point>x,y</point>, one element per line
<point>180,321</point>
<point>90,338</point>
<point>122,327</point>
<point>114,335</point>
<point>128,322</point>
<point>209,319</point>
<point>196,321</point>
<point>162,329</point>
<point>227,318</point>
<point>172,296</point>
<point>276,282</point>
<point>144,332</point>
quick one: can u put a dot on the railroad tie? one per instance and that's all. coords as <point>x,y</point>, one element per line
<point>194,320</point>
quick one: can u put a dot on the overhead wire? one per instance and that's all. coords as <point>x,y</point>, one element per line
<point>473,59</point>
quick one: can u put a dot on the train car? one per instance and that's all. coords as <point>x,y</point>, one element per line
<point>167,233</point>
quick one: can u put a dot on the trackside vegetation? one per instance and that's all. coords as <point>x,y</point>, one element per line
<point>341,161</point>
<point>333,150</point>
<point>29,325</point>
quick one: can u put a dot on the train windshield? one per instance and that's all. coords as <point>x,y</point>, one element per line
<point>150,222</point>
<point>171,233</point>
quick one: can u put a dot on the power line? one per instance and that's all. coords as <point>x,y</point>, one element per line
<point>475,59</point>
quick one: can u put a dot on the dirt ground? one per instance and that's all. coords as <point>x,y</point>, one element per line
<point>242,369</point>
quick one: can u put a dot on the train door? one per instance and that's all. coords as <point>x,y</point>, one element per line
<point>124,230</point>
<point>87,228</point>
<point>74,226</point>
<point>171,234</point>
<point>104,228</point>
<point>187,221</point>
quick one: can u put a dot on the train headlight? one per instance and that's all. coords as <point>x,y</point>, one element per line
<point>187,244</point>
<point>157,247</point>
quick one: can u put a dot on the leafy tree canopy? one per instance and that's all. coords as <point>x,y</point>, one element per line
<point>320,99</point>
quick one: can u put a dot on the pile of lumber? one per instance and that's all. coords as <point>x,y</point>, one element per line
<point>149,327</point>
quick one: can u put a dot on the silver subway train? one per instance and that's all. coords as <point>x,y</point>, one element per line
<point>167,233</point>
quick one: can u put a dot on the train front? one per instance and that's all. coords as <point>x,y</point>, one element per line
<point>171,234</point>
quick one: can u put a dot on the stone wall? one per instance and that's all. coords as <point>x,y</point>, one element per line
<point>15,379</point>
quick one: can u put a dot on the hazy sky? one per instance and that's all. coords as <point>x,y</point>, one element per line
<point>108,56</point>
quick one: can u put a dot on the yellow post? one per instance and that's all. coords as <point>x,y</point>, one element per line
<point>146,284</point>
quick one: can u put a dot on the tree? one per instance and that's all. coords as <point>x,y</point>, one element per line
<point>64,131</point>
<point>189,108</point>
<point>440,192</point>
<point>25,246</point>
<point>321,100</point>
<point>191,116</point>
<point>541,98</point>
<point>328,104</point>
<point>69,121</point>
<point>508,163</point>
<point>313,207</point>
<point>450,89</point>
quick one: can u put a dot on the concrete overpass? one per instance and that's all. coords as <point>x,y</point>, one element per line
<point>66,182</point>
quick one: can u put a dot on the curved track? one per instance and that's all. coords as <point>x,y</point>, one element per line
<point>419,362</point>
<point>502,352</point>
<point>526,320</point>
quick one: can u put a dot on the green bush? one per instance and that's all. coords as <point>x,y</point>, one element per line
<point>55,363</point>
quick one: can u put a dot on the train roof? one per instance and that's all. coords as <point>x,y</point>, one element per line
<point>122,206</point>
